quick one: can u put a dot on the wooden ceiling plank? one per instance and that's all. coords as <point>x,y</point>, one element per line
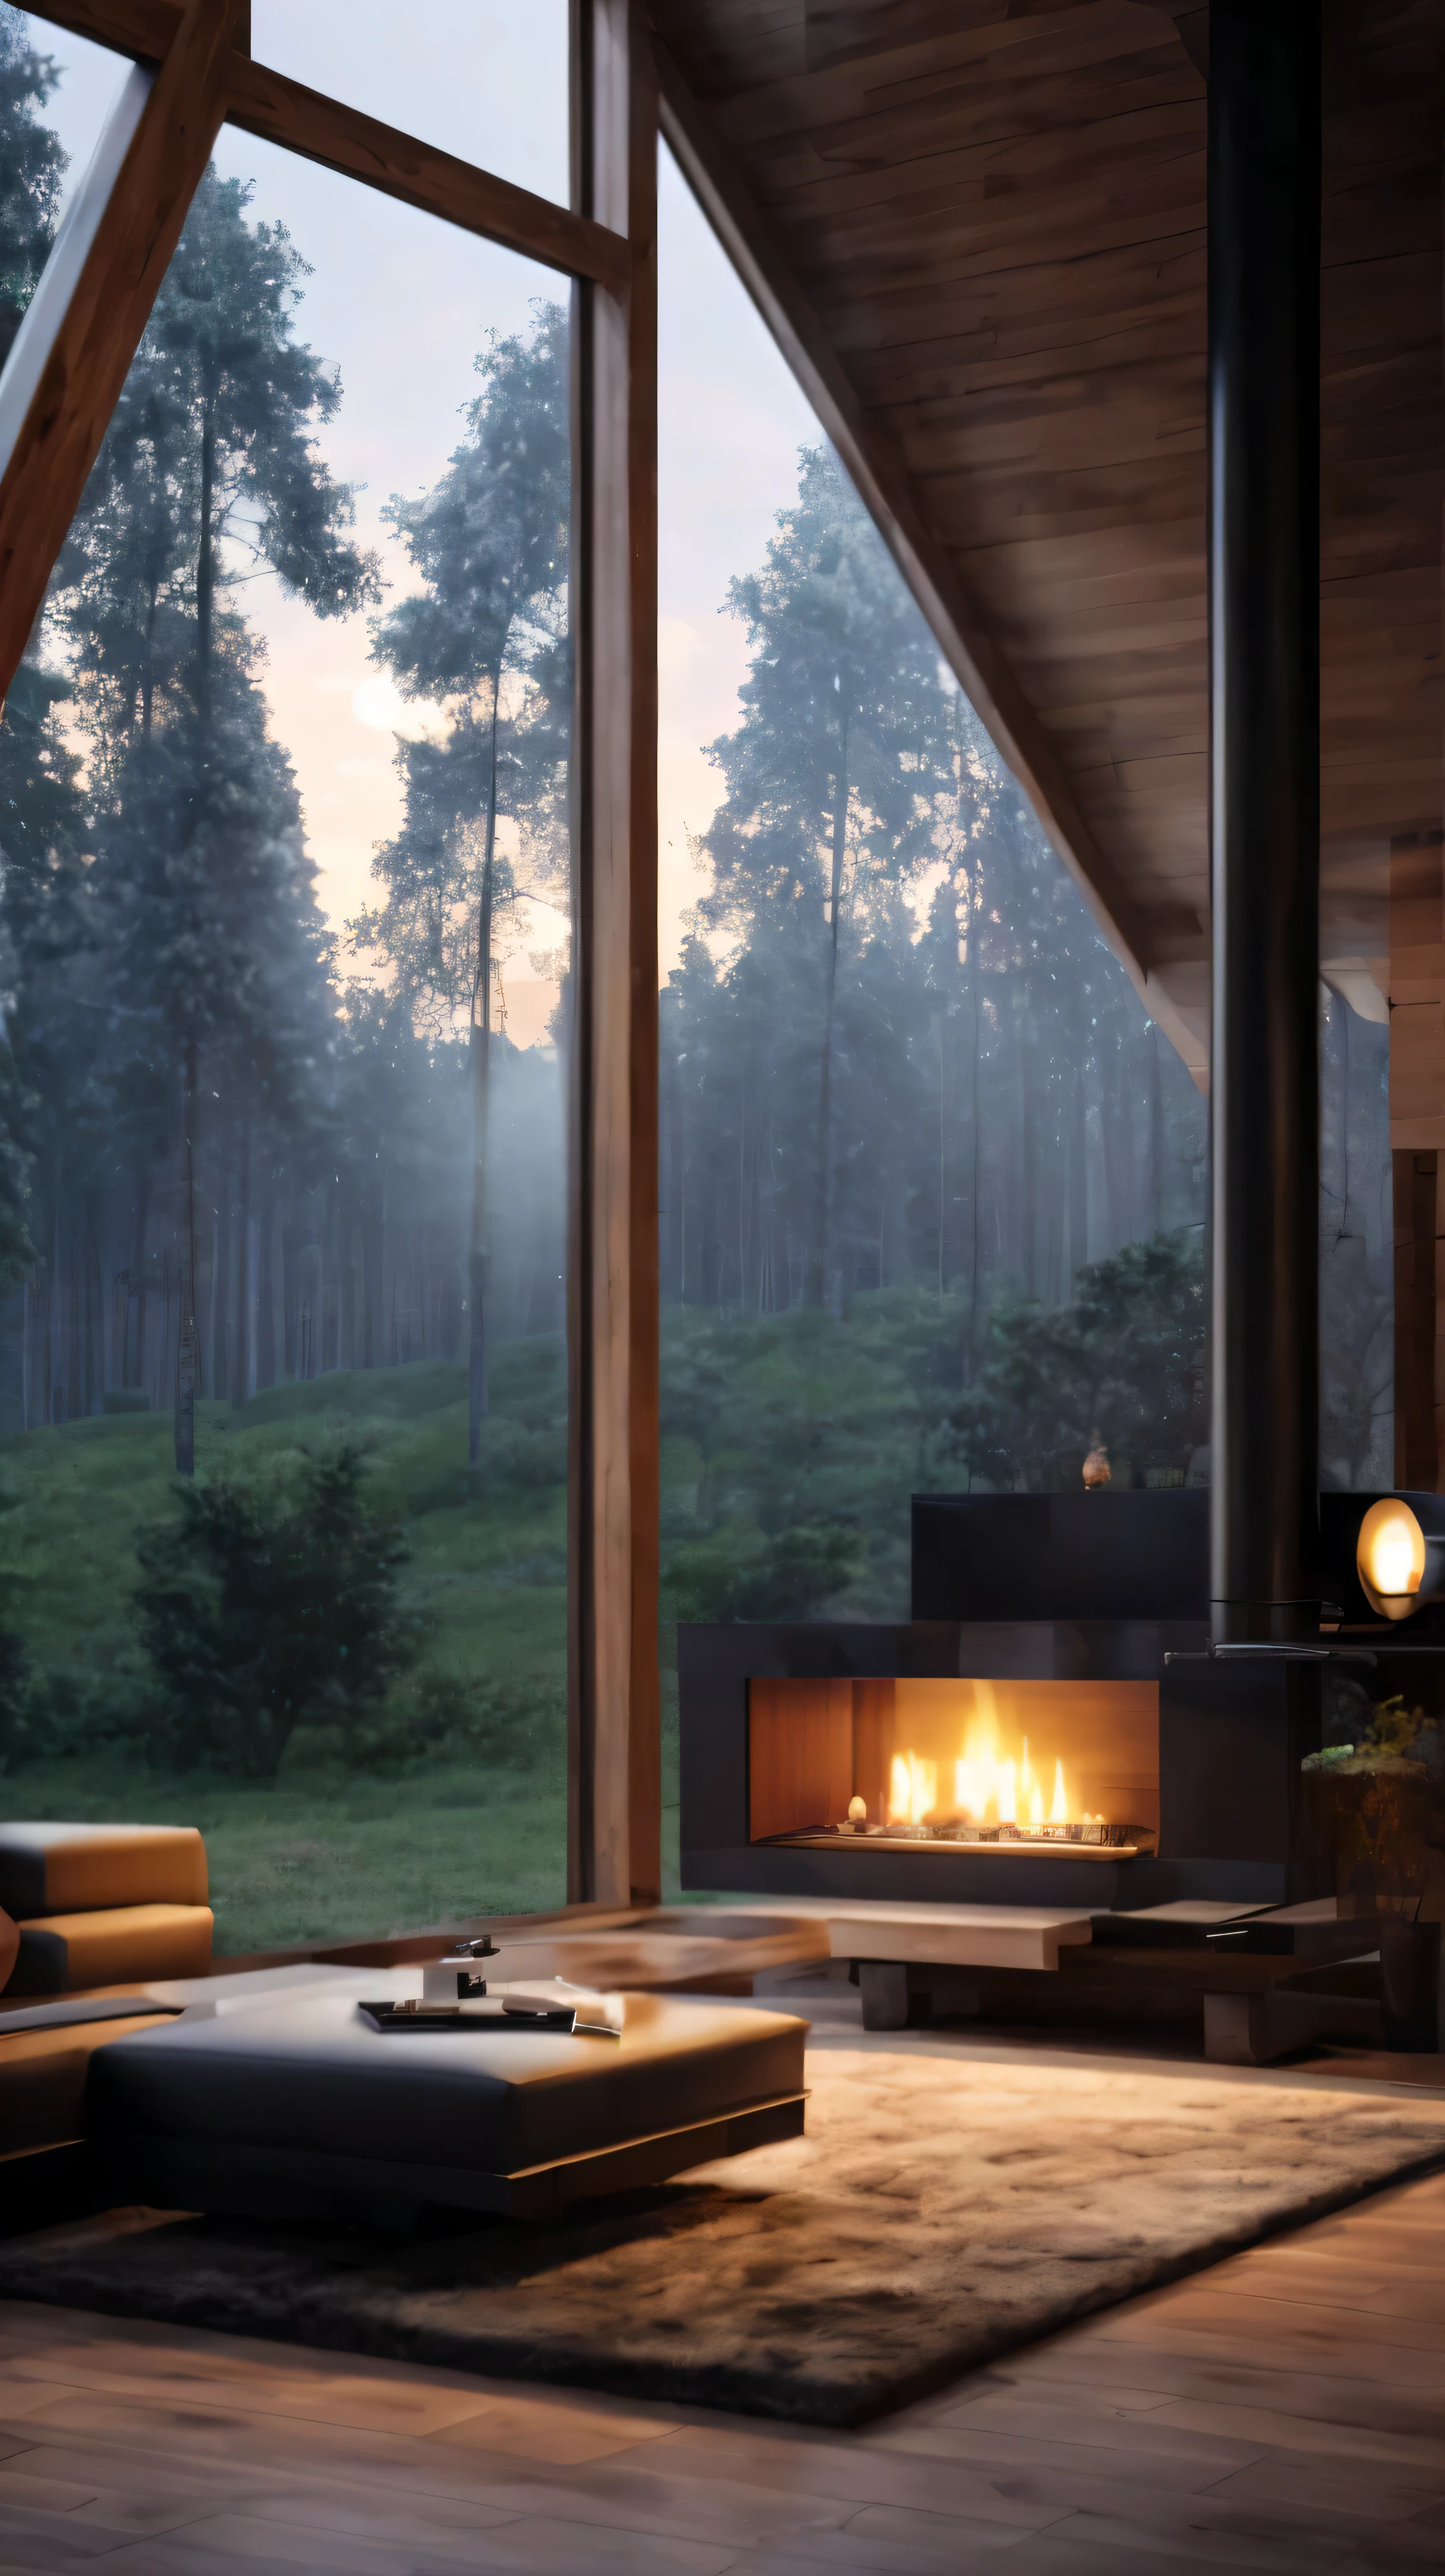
<point>1001,60</point>
<point>948,118</point>
<point>1155,138</point>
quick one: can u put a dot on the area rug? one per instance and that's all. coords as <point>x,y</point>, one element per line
<point>938,2212</point>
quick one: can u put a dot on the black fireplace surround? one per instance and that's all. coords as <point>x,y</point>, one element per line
<point>1083,1587</point>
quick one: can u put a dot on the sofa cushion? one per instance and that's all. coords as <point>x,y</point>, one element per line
<point>9,1944</point>
<point>63,1952</point>
<point>314,2075</point>
<point>72,1869</point>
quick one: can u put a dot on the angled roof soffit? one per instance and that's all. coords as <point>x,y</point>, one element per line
<point>1175,990</point>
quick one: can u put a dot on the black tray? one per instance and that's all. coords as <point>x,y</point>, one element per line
<point>496,2017</point>
<point>392,2016</point>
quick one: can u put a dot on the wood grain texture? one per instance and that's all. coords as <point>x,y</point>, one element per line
<point>979,233</point>
<point>1224,2423</point>
<point>302,120</point>
<point>800,1755</point>
<point>616,1729</point>
<point>101,329</point>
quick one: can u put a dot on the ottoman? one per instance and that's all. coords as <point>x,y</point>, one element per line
<point>304,2110</point>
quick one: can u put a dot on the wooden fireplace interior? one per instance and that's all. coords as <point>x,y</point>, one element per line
<point>1008,1766</point>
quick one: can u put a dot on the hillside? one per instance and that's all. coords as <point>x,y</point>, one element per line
<point>461,1807</point>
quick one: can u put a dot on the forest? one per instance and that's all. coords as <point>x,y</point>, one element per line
<point>282,1204</point>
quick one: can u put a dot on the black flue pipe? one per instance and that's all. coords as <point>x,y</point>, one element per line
<point>1264,292</point>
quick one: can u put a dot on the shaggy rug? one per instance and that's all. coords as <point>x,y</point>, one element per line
<point>939,2211</point>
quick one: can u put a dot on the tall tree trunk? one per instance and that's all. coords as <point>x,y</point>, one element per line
<point>266,1282</point>
<point>186,1338</point>
<point>373,1248</point>
<point>220,1378</point>
<point>1156,1135</point>
<point>134,1375</point>
<point>94,1326</point>
<point>188,1341</point>
<point>942,1159</point>
<point>292,1292</point>
<point>206,571</point>
<point>481,1051</point>
<point>241,1303</point>
<point>971,1355</point>
<point>148,666</point>
<point>823,1249</point>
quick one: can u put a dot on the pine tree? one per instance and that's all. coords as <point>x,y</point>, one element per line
<point>834,775</point>
<point>38,814</point>
<point>484,639</point>
<point>209,469</point>
<point>32,166</point>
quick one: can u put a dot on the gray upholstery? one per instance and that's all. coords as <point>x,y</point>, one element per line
<point>73,1869</point>
<point>312,2075</point>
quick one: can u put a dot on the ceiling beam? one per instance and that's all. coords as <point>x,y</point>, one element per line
<point>875,464</point>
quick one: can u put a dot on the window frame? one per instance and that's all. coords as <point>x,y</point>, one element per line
<point>606,243</point>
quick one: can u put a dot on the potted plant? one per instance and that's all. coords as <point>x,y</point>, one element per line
<point>1375,1807</point>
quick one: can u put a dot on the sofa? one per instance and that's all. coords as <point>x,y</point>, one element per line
<point>275,2092</point>
<point>101,1905</point>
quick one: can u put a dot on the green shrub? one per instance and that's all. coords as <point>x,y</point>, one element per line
<point>270,1604</point>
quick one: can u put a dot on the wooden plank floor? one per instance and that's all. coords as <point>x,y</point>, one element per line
<point>1284,2411</point>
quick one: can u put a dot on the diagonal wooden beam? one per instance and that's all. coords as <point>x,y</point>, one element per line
<point>302,120</point>
<point>95,337</point>
<point>876,466</point>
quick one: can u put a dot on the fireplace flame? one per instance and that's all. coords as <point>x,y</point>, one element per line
<point>990,1787</point>
<point>912,1789</point>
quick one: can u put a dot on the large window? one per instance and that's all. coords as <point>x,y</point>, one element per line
<point>933,1184</point>
<point>287,914</point>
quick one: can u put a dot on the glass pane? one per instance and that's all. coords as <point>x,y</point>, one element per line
<point>488,83</point>
<point>56,92</point>
<point>287,905</point>
<point>1357,1244</point>
<point>933,1184</point>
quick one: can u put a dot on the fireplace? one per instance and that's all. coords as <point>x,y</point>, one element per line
<point>1181,1773</point>
<point>1016,1768</point>
<point>1004,1745</point>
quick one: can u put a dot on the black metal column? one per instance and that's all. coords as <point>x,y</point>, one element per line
<point>1264,278</point>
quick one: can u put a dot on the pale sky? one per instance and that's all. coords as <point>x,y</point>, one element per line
<point>402,303</point>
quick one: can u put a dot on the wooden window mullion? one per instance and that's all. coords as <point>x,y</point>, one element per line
<point>615,1729</point>
<point>279,110</point>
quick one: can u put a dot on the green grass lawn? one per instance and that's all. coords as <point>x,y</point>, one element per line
<point>323,1856</point>
<point>325,1851</point>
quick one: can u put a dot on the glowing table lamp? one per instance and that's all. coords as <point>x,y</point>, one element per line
<point>1399,1555</point>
